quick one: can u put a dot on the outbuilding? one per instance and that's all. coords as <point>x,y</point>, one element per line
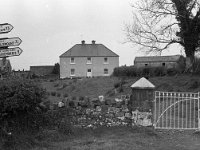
<point>173,61</point>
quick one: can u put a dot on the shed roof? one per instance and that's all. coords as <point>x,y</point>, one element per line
<point>89,50</point>
<point>143,83</point>
<point>173,58</point>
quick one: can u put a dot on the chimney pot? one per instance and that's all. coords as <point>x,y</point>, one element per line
<point>93,41</point>
<point>83,42</point>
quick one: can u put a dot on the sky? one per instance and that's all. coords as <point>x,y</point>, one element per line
<point>48,28</point>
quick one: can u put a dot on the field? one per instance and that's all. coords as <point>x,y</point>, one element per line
<point>119,138</point>
<point>94,87</point>
<point>116,138</point>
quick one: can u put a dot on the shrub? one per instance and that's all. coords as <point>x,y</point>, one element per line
<point>71,104</point>
<point>64,85</point>
<point>171,71</point>
<point>56,85</point>
<point>146,71</point>
<point>48,93</point>
<point>56,69</point>
<point>81,98</point>
<point>129,71</point>
<point>54,118</point>
<point>53,93</point>
<point>132,71</point>
<point>65,95</point>
<point>194,85</point>
<point>116,85</point>
<point>110,93</point>
<point>58,94</point>
<point>159,71</point>
<point>65,126</point>
<point>20,107</point>
<point>74,98</point>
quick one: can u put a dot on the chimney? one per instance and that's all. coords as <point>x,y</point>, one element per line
<point>93,41</point>
<point>83,42</point>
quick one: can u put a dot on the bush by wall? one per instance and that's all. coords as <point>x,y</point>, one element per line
<point>20,104</point>
<point>131,71</point>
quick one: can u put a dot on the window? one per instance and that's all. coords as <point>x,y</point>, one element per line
<point>105,60</point>
<point>89,60</point>
<point>72,72</point>
<point>105,71</point>
<point>146,64</point>
<point>163,64</point>
<point>89,72</point>
<point>72,60</point>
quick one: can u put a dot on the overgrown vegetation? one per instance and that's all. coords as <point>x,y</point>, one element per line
<point>20,108</point>
<point>132,71</point>
<point>56,69</point>
<point>25,114</point>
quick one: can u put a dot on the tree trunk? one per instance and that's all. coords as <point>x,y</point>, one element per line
<point>190,52</point>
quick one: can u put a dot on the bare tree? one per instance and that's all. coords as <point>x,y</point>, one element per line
<point>158,24</point>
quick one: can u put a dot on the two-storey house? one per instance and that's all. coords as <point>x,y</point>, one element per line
<point>88,60</point>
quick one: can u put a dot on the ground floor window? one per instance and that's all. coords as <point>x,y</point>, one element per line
<point>72,73</point>
<point>105,71</point>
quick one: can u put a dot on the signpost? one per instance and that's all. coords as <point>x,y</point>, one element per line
<point>8,52</point>
<point>5,42</point>
<point>5,28</point>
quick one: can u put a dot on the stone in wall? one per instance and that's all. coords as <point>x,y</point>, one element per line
<point>142,118</point>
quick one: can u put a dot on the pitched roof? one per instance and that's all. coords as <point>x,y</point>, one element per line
<point>143,83</point>
<point>173,58</point>
<point>89,50</point>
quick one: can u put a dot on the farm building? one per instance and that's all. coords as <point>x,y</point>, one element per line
<point>174,61</point>
<point>22,74</point>
<point>88,60</point>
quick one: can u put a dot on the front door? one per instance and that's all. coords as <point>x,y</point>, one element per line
<point>89,72</point>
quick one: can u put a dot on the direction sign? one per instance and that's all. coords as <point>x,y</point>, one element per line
<point>8,52</point>
<point>5,28</point>
<point>6,42</point>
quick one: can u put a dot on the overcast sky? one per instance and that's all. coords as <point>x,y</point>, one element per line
<point>48,28</point>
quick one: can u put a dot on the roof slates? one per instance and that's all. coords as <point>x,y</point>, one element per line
<point>173,58</point>
<point>89,50</point>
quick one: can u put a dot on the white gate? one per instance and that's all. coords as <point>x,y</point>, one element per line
<point>176,110</point>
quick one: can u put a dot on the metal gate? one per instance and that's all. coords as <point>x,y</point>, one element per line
<point>176,110</point>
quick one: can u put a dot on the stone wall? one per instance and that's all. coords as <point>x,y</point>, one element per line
<point>108,113</point>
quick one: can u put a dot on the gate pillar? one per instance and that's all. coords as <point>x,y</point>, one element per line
<point>142,95</point>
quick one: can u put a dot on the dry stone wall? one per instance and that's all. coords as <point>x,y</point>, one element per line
<point>111,112</point>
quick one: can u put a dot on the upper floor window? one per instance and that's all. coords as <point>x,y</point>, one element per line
<point>72,60</point>
<point>105,60</point>
<point>89,60</point>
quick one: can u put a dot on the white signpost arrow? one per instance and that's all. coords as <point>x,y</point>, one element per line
<point>6,42</point>
<point>5,28</point>
<point>8,52</point>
